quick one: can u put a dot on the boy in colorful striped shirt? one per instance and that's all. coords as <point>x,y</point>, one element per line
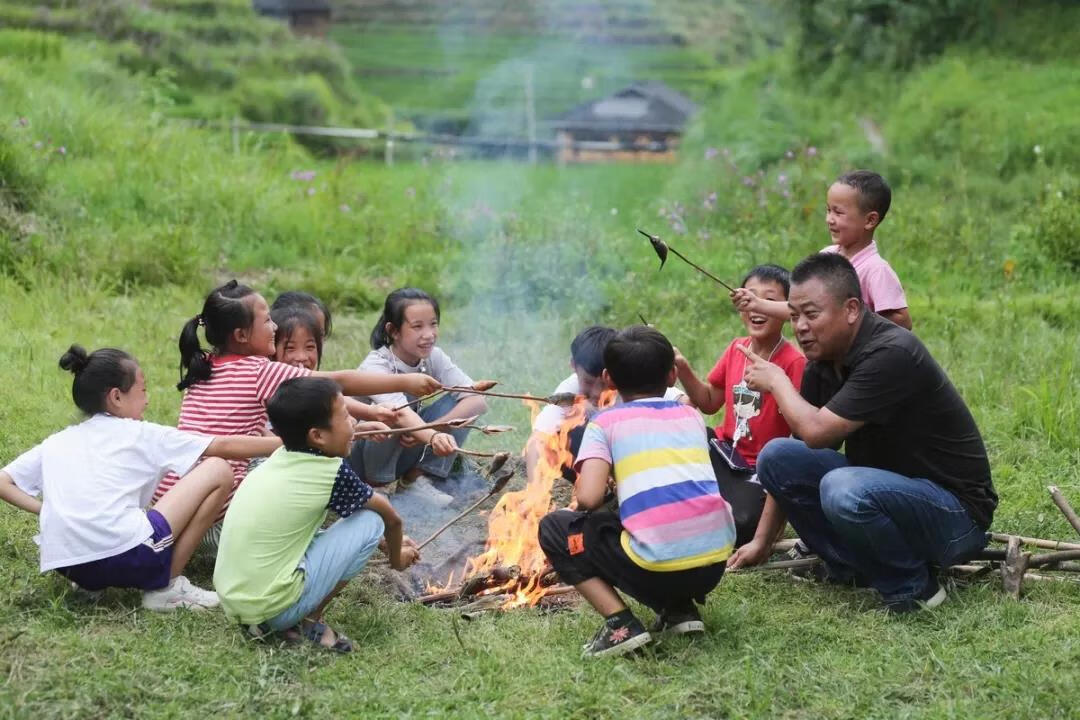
<point>668,543</point>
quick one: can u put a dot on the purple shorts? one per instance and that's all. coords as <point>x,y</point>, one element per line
<point>145,566</point>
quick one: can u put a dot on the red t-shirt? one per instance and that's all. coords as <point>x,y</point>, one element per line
<point>765,421</point>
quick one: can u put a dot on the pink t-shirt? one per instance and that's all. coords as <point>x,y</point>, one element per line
<point>881,289</point>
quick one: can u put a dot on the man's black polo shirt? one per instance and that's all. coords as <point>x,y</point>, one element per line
<point>916,423</point>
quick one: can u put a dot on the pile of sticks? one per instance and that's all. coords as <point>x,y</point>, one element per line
<point>491,589</point>
<point>1015,564</point>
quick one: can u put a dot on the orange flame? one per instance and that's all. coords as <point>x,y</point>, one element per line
<point>514,522</point>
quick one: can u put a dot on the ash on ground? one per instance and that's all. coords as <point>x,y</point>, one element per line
<point>449,552</point>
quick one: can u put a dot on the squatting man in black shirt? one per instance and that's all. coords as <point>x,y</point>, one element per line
<point>912,489</point>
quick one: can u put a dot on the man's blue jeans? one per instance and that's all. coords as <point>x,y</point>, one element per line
<point>867,523</point>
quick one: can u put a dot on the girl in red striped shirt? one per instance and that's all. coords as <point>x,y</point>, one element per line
<point>226,390</point>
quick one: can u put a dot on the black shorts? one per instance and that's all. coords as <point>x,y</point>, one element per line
<point>746,498</point>
<point>596,552</point>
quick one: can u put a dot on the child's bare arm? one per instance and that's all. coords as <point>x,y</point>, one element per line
<point>242,447</point>
<point>901,317</point>
<point>592,483</point>
<point>364,411</point>
<point>703,395</point>
<point>358,382</point>
<point>401,552</point>
<point>746,301</point>
<point>13,495</point>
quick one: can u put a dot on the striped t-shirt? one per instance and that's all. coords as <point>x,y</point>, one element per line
<point>232,402</point>
<point>671,510</point>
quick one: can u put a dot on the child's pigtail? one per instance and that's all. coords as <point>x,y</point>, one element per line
<point>379,336</point>
<point>194,361</point>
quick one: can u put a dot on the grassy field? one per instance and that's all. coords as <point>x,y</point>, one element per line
<point>114,222</point>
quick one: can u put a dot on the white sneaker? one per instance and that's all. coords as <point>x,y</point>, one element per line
<point>425,490</point>
<point>179,593</point>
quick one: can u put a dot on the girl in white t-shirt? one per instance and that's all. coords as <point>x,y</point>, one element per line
<point>96,478</point>
<point>404,341</point>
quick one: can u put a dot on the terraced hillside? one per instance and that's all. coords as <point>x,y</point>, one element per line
<point>464,65</point>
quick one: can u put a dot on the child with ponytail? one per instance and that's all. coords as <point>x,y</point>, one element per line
<point>226,389</point>
<point>403,341</point>
<point>95,480</point>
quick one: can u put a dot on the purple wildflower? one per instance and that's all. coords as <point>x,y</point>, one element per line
<point>38,145</point>
<point>310,191</point>
<point>302,175</point>
<point>22,122</point>
<point>344,207</point>
<point>748,181</point>
<point>789,155</point>
<point>811,151</point>
<point>61,150</point>
<point>781,179</point>
<point>711,152</point>
<point>710,201</point>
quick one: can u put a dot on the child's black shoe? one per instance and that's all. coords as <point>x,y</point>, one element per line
<point>679,621</point>
<point>623,638</point>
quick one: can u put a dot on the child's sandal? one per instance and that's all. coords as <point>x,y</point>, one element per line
<point>314,633</point>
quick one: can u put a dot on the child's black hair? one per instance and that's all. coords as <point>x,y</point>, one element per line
<point>300,404</point>
<point>291,317</point>
<point>394,313</point>
<point>224,310</point>
<point>638,359</point>
<point>834,271</point>
<point>587,349</point>
<point>770,273</point>
<point>874,192</point>
<point>301,299</point>
<point>96,374</point>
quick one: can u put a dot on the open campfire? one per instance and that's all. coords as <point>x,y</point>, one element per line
<point>511,570</point>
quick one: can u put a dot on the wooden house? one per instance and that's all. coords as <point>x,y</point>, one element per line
<point>646,122</point>
<point>305,17</point>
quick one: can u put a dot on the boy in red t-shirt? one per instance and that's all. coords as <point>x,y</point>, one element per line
<point>751,419</point>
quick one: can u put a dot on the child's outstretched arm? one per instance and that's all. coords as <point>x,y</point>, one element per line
<point>242,447</point>
<point>364,411</point>
<point>400,550</point>
<point>358,382</point>
<point>703,395</point>
<point>746,301</point>
<point>13,495</point>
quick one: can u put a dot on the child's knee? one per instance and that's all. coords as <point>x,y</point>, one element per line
<point>218,472</point>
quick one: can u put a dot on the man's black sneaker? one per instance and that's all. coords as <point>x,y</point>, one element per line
<point>679,621</point>
<point>618,640</point>
<point>928,599</point>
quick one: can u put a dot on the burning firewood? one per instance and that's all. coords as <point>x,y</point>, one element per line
<point>662,249</point>
<point>501,479</point>
<point>495,577</point>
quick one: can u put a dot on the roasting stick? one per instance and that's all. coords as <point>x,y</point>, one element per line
<point>455,423</point>
<point>479,385</point>
<point>561,399</point>
<point>662,249</point>
<point>500,483</point>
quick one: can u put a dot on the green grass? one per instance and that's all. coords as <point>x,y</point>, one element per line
<point>115,241</point>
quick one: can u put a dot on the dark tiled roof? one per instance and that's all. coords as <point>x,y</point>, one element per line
<point>284,7</point>
<point>643,107</point>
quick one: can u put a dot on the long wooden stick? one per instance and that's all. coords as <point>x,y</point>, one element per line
<point>559,398</point>
<point>1065,508</point>
<point>455,423</point>
<point>1036,542</point>
<point>500,483</point>
<point>780,565</point>
<point>420,399</point>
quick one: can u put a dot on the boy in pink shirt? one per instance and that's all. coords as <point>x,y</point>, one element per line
<point>855,205</point>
